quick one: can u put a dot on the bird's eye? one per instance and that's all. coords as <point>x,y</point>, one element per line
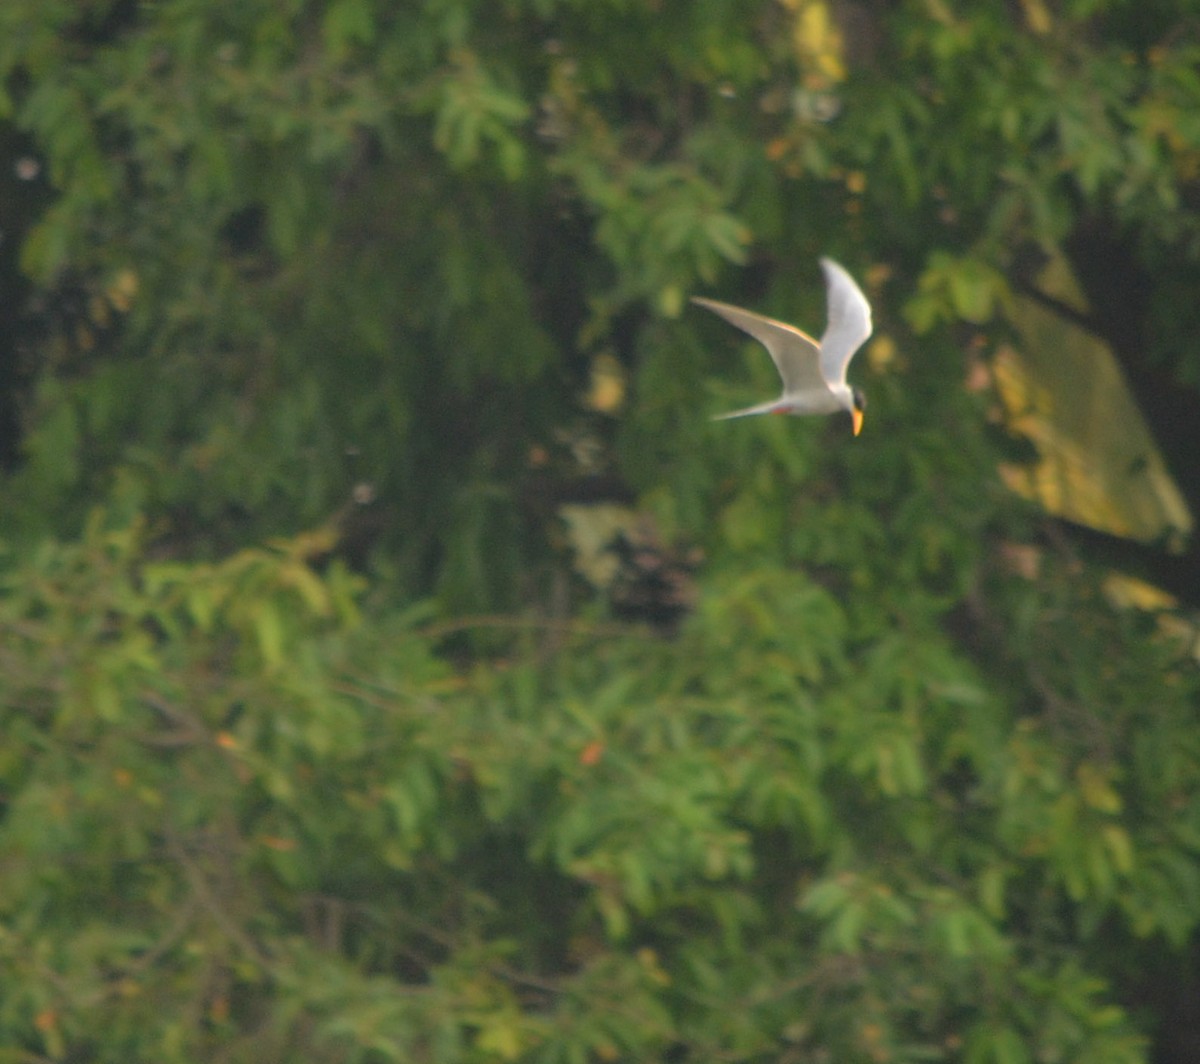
<point>860,400</point>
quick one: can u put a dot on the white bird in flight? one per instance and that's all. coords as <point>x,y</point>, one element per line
<point>814,374</point>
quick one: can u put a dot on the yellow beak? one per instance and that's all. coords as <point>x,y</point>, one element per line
<point>857,415</point>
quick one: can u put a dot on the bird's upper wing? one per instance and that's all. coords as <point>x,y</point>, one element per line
<point>849,322</point>
<point>795,353</point>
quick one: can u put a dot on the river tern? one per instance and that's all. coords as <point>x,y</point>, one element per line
<point>814,374</point>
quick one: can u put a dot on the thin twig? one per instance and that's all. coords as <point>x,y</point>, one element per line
<point>208,899</point>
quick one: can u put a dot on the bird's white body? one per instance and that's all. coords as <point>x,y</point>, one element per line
<point>814,374</point>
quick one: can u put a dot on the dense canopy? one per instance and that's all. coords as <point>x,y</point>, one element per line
<point>397,664</point>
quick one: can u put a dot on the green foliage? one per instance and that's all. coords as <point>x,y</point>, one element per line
<point>355,229</point>
<point>887,795</point>
<point>239,816</point>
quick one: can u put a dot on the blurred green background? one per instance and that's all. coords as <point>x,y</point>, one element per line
<point>397,664</point>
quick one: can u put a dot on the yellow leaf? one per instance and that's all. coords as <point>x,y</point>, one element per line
<point>1116,838</point>
<point>670,301</point>
<point>1096,789</point>
<point>819,41</point>
<point>881,353</point>
<point>122,289</point>
<point>1037,17</point>
<point>500,1036</point>
<point>606,389</point>
<point>648,959</point>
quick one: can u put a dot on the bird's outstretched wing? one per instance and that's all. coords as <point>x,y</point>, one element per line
<point>849,322</point>
<point>795,353</point>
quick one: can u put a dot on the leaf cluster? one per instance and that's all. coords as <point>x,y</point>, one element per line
<point>254,823</point>
<point>905,786</point>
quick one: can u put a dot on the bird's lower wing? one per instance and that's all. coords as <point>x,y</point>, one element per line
<point>760,408</point>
